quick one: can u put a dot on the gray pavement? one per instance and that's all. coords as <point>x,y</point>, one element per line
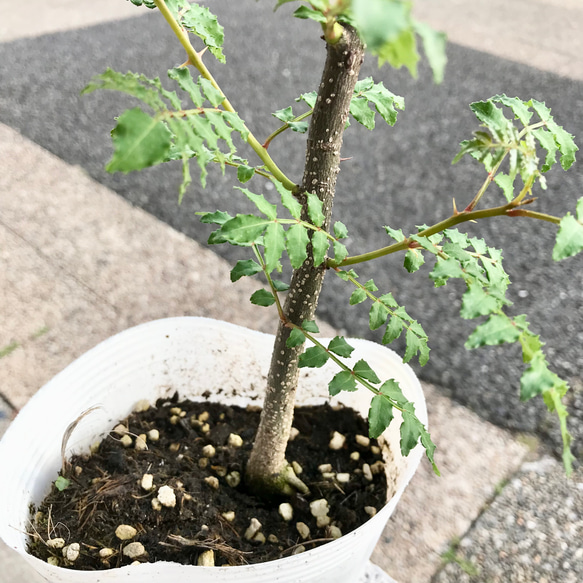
<point>82,264</point>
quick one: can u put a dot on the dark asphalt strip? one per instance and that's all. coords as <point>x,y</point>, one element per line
<point>399,176</point>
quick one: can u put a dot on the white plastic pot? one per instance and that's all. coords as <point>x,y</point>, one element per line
<point>189,355</point>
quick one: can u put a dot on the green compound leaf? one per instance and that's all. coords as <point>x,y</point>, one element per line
<point>320,244</point>
<point>274,243</point>
<point>244,229</point>
<point>343,381</point>
<point>569,239</point>
<point>313,357</point>
<point>296,245</point>
<point>243,268</point>
<point>498,329</point>
<point>363,369</point>
<point>262,298</point>
<point>380,416</point>
<point>139,142</point>
<point>315,206</point>
<point>295,338</point>
<point>339,346</point>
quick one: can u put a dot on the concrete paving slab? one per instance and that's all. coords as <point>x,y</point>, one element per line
<point>532,532</point>
<point>545,34</point>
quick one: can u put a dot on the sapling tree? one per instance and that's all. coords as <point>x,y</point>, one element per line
<point>512,135</point>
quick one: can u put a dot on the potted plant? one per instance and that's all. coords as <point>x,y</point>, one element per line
<point>301,228</point>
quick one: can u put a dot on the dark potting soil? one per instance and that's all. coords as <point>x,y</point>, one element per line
<point>212,510</point>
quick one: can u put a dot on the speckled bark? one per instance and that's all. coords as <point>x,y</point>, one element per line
<point>267,461</point>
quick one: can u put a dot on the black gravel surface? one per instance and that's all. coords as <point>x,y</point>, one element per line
<point>399,176</point>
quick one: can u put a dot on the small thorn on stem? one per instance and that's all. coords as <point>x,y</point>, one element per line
<point>201,53</point>
<point>344,159</point>
<point>455,211</point>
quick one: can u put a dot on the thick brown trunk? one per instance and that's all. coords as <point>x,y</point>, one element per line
<point>265,470</point>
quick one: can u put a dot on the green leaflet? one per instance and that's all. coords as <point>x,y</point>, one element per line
<point>378,315</point>
<point>315,206</point>
<point>289,201</point>
<point>339,346</point>
<point>274,243</point>
<point>413,260</point>
<point>200,20</point>
<point>243,268</point>
<point>434,44</point>
<point>245,173</point>
<point>304,12</point>
<point>139,142</point>
<point>498,329</point>
<point>416,344</point>
<point>262,298</point>
<point>537,378</point>
<point>385,102</point>
<point>411,429</point>
<point>569,239</point>
<point>268,209</point>
<point>295,338</point>
<point>340,230</point>
<point>296,244</point>
<point>358,296</point>
<point>343,381</point>
<point>320,244</point>
<point>380,416</point>
<point>310,326</point>
<point>401,51</point>
<point>340,252</point>
<point>363,369</point>
<point>313,357</point>
<point>392,390</point>
<point>380,21</point>
<point>478,302</point>
<point>244,229</point>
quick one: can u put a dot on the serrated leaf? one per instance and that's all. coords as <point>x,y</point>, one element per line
<point>243,268</point>
<point>280,286</point>
<point>400,52</point>
<point>200,20</point>
<point>340,252</point>
<point>491,116</point>
<point>245,173</point>
<point>310,98</point>
<point>315,206</point>
<point>184,79</point>
<point>296,243</point>
<point>305,12</point>
<point>498,329</point>
<point>410,432</point>
<point>378,315</point>
<point>301,127</point>
<point>139,142</point>
<point>380,416</point>
<point>265,207</point>
<point>396,234</point>
<point>445,269</point>
<point>290,202</point>
<point>216,218</point>
<point>392,390</point>
<point>385,102</point>
<point>310,326</point>
<point>434,44</point>
<point>363,369</point>
<point>569,239</point>
<point>506,183</point>
<point>379,21</point>
<point>357,297</point>
<point>313,357</point>
<point>339,346</point>
<point>274,242</point>
<point>340,230</point>
<point>284,115</point>
<point>295,338</point>
<point>343,381</point>
<point>371,286</point>
<point>518,107</point>
<point>531,345</point>
<point>393,331</point>
<point>413,260</point>
<point>320,243</point>
<point>537,378</point>
<point>416,344</point>
<point>262,297</point>
<point>236,123</point>
<point>362,113</point>
<point>244,229</point>
<point>477,302</point>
